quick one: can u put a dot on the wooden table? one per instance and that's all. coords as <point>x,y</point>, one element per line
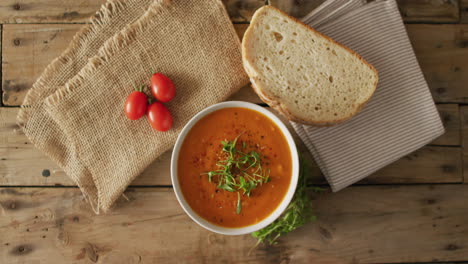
<point>415,210</point>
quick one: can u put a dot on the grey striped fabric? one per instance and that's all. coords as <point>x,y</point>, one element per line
<point>400,118</point>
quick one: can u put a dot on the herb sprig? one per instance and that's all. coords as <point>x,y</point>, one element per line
<point>239,171</point>
<point>298,212</point>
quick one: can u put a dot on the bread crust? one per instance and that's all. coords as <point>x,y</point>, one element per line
<point>275,103</point>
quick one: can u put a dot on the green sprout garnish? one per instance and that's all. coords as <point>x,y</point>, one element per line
<point>239,171</point>
<point>298,212</point>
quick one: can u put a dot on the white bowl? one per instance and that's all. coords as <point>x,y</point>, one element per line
<point>284,203</point>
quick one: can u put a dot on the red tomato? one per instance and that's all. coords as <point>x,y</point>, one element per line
<point>159,116</point>
<point>135,106</point>
<point>162,87</point>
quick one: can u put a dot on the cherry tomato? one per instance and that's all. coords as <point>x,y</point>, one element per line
<point>162,87</point>
<point>159,116</point>
<point>135,105</point>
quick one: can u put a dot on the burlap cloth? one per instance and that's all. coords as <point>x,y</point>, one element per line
<point>74,111</point>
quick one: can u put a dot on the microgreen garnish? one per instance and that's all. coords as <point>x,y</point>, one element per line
<point>239,170</point>
<point>239,204</point>
<point>298,212</point>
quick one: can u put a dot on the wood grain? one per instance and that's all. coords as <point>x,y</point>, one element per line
<point>464,135</point>
<point>463,11</point>
<point>450,115</point>
<point>356,225</point>
<point>27,50</point>
<point>429,11</point>
<point>241,11</point>
<point>72,11</point>
<point>47,11</point>
<point>22,164</point>
<point>442,52</point>
<point>426,165</point>
<point>296,8</point>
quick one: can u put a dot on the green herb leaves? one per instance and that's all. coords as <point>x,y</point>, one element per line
<point>239,170</point>
<point>298,212</point>
<point>239,204</point>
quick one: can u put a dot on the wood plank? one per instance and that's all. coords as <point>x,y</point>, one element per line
<point>442,51</point>
<point>450,115</point>
<point>70,11</point>
<point>22,164</point>
<point>420,11</point>
<point>386,224</point>
<point>463,11</point>
<point>47,11</point>
<point>241,11</point>
<point>296,8</point>
<point>426,165</point>
<point>429,11</point>
<point>464,135</point>
<point>28,49</point>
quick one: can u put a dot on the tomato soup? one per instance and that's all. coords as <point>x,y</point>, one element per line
<point>202,151</point>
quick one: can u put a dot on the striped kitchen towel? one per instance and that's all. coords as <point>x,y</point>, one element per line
<point>400,118</point>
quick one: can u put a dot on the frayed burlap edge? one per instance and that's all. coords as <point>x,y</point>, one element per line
<point>125,37</point>
<point>102,17</point>
<point>33,97</point>
<point>109,49</point>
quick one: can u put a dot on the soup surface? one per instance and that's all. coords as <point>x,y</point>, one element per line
<point>202,150</point>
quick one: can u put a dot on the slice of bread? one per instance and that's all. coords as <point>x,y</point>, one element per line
<point>305,75</point>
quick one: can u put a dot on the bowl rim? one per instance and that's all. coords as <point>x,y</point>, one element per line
<point>275,213</point>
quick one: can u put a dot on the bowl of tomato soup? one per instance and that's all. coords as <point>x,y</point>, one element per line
<point>234,168</point>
